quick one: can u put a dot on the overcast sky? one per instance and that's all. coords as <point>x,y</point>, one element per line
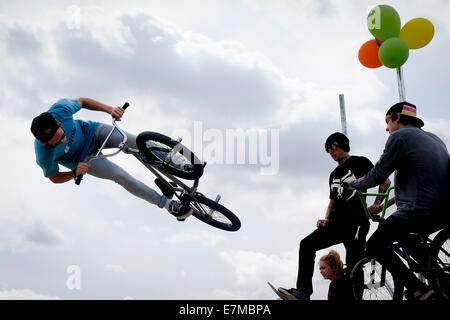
<point>227,65</point>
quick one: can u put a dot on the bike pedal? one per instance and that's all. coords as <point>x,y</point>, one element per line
<point>185,216</point>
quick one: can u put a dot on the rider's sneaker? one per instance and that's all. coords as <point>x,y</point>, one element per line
<point>293,294</point>
<point>179,210</point>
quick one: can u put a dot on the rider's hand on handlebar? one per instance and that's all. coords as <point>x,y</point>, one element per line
<point>117,113</point>
<point>347,181</point>
<point>375,209</point>
<point>82,168</point>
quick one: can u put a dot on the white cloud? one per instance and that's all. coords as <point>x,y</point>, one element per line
<point>102,226</point>
<point>255,294</point>
<point>145,230</point>
<point>25,235</point>
<point>439,127</point>
<point>24,294</point>
<point>115,268</point>
<point>197,237</point>
<point>256,268</point>
<point>291,207</point>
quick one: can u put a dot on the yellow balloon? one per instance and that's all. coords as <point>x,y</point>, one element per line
<point>417,33</point>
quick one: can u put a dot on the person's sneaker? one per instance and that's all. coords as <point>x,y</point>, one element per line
<point>179,210</point>
<point>293,294</point>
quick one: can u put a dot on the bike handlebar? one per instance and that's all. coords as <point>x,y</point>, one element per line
<point>78,179</point>
<point>361,196</point>
<point>80,176</point>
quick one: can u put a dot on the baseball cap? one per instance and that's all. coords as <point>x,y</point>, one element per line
<point>44,126</point>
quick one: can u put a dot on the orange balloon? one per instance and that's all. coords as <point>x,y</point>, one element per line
<point>368,54</point>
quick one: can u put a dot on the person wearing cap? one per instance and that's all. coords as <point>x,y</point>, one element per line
<point>61,140</point>
<point>345,220</point>
<point>420,161</point>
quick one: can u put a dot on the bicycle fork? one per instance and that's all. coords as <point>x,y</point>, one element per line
<point>372,281</point>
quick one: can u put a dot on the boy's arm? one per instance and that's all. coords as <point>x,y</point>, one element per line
<point>91,104</point>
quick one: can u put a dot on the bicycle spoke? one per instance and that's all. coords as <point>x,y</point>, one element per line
<point>376,282</point>
<point>443,268</point>
<point>160,151</point>
<point>206,211</point>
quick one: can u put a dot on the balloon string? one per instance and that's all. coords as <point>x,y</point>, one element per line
<point>376,41</point>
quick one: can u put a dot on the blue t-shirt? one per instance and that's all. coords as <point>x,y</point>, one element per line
<point>78,134</point>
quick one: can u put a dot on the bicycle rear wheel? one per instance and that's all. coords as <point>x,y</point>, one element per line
<point>372,281</point>
<point>155,147</point>
<point>439,263</point>
<point>214,214</point>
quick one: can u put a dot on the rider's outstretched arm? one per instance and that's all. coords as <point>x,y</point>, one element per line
<point>91,104</point>
<point>394,151</point>
<point>94,105</point>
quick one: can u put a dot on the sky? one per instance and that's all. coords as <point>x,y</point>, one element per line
<point>274,69</point>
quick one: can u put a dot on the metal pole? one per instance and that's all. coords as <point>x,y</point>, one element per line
<point>401,84</point>
<point>343,117</point>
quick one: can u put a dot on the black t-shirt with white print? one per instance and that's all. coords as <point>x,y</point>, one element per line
<point>348,207</point>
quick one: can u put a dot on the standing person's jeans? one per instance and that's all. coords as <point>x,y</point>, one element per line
<point>352,236</point>
<point>105,169</point>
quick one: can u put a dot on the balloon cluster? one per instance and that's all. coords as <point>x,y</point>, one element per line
<point>391,44</point>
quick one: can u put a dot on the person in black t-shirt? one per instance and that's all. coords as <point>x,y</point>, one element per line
<point>345,221</point>
<point>345,200</point>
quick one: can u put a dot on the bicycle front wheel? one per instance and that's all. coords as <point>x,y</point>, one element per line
<point>439,263</point>
<point>169,154</point>
<point>372,281</point>
<point>214,214</point>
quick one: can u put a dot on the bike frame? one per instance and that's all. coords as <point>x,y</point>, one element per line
<point>158,172</point>
<point>182,191</point>
<point>397,247</point>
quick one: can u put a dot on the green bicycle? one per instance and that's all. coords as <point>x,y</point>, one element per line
<point>371,280</point>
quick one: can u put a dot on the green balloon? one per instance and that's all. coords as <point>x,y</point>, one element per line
<point>383,22</point>
<point>393,53</point>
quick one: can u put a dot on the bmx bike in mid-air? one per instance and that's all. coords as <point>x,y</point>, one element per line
<point>169,160</point>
